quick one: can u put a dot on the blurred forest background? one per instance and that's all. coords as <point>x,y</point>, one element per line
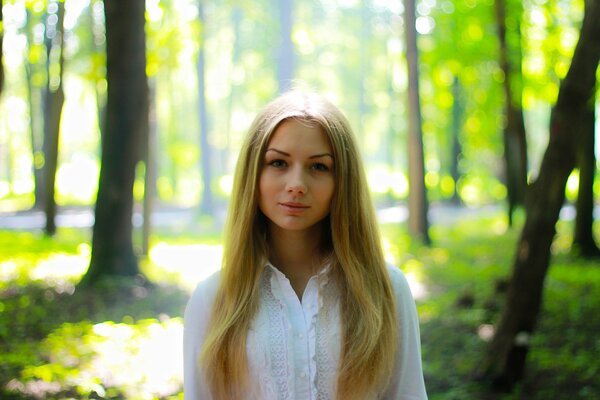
<point>120,124</point>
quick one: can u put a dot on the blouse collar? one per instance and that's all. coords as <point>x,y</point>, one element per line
<point>323,271</point>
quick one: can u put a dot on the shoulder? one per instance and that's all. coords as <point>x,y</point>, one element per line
<point>399,282</point>
<point>407,381</point>
<point>195,326</point>
<point>405,302</point>
<point>202,297</point>
<point>208,287</point>
<point>199,306</point>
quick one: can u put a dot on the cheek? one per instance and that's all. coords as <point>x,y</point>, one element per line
<point>267,187</point>
<point>327,191</point>
<point>264,184</point>
<point>262,188</point>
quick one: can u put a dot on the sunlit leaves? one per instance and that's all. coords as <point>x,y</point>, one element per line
<point>58,342</point>
<point>464,48</point>
<point>87,56</point>
<point>90,359</point>
<point>550,31</point>
<point>167,36</point>
<point>352,51</point>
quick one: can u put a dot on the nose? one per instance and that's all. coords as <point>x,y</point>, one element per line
<point>296,183</point>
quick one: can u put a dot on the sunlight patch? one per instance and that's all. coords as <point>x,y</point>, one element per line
<point>137,361</point>
<point>60,270</point>
<point>151,354</point>
<point>192,263</point>
<point>9,271</point>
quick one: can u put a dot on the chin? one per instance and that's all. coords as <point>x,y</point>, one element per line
<point>296,226</point>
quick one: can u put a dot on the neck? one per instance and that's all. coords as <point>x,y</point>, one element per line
<point>297,254</point>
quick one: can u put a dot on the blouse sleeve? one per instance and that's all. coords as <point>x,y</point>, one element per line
<point>196,316</point>
<point>407,381</point>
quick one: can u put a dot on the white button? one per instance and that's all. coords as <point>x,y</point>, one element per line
<point>303,375</point>
<point>300,336</point>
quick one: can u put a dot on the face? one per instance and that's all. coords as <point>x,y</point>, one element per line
<point>296,182</point>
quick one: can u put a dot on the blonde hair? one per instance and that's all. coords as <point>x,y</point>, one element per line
<point>368,310</point>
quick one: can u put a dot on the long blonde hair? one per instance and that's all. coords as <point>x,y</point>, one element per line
<point>368,310</point>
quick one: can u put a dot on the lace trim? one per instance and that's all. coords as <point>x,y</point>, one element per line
<point>277,339</point>
<point>325,327</point>
<point>275,377</point>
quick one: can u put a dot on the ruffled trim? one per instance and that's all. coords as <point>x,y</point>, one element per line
<point>326,327</point>
<point>271,344</point>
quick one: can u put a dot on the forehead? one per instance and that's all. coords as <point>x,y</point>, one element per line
<point>299,135</point>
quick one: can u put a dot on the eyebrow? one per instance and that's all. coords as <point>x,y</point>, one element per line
<point>288,154</point>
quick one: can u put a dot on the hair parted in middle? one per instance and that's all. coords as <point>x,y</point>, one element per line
<point>368,310</point>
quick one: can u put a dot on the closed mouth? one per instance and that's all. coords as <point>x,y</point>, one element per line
<point>293,205</point>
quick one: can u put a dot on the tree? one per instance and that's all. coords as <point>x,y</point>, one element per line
<point>206,206</point>
<point>363,67</point>
<point>504,361</point>
<point>237,15</point>
<point>34,97</point>
<point>457,116</point>
<point>583,235</point>
<point>1,41</point>
<point>54,99</point>
<point>150,169</point>
<point>515,142</point>
<point>285,57</point>
<point>125,130</point>
<point>417,196</point>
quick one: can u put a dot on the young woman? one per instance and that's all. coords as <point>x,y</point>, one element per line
<point>305,306</point>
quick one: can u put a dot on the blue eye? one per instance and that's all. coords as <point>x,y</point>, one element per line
<point>277,163</point>
<point>320,167</point>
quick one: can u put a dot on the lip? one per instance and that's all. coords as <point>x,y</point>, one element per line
<point>292,204</point>
<point>293,208</point>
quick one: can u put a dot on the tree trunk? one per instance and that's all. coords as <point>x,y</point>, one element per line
<point>504,362</point>
<point>515,142</point>
<point>150,175</point>
<point>206,206</point>
<point>583,236</point>
<point>391,153</point>
<point>99,27</point>
<point>1,42</point>
<point>417,195</point>
<point>457,115</point>
<point>361,82</point>
<point>236,19</point>
<point>53,104</point>
<point>125,128</point>
<point>285,58</point>
<point>34,98</point>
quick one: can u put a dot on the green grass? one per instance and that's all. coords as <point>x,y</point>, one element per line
<point>461,271</point>
<point>59,342</point>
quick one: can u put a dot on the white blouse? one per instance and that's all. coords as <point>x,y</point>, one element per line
<point>293,346</point>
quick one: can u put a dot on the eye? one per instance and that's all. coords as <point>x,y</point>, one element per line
<point>319,167</point>
<point>277,163</point>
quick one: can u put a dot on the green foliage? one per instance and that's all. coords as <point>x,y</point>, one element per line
<point>58,342</point>
<point>62,342</point>
<point>352,51</point>
<point>464,275</point>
